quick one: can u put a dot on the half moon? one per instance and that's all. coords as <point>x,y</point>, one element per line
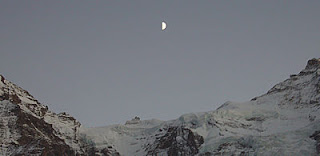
<point>163,25</point>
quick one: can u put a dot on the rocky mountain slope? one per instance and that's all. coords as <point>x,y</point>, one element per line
<point>284,121</point>
<point>28,127</point>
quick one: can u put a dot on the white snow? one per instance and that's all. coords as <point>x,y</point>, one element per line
<point>279,122</point>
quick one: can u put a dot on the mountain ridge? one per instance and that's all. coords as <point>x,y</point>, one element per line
<point>283,121</point>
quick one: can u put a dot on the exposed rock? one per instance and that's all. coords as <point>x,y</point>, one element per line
<point>135,120</point>
<point>2,78</point>
<point>316,136</point>
<point>109,152</point>
<point>27,127</point>
<point>313,63</point>
<point>280,122</point>
<point>177,141</point>
<point>37,136</point>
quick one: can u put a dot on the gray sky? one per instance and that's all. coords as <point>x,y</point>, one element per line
<point>105,62</point>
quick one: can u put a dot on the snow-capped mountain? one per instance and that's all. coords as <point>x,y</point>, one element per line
<point>28,127</point>
<point>284,121</point>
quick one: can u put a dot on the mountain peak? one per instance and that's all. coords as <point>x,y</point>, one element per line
<point>313,63</point>
<point>286,117</point>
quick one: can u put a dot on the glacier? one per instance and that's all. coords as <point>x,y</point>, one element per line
<point>283,121</point>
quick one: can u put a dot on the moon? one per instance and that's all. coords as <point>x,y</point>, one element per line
<point>163,25</point>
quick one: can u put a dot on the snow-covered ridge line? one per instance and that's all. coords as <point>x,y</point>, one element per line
<point>283,121</point>
<point>288,113</point>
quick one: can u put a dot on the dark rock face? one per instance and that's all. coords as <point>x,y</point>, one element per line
<point>109,152</point>
<point>313,63</point>
<point>23,130</point>
<point>316,136</point>
<point>1,78</point>
<point>28,128</point>
<point>36,136</point>
<point>311,67</point>
<point>177,141</point>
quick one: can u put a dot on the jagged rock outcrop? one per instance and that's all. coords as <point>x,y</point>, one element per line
<point>28,127</point>
<point>176,141</point>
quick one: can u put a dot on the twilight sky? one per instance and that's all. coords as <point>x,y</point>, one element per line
<point>105,62</point>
